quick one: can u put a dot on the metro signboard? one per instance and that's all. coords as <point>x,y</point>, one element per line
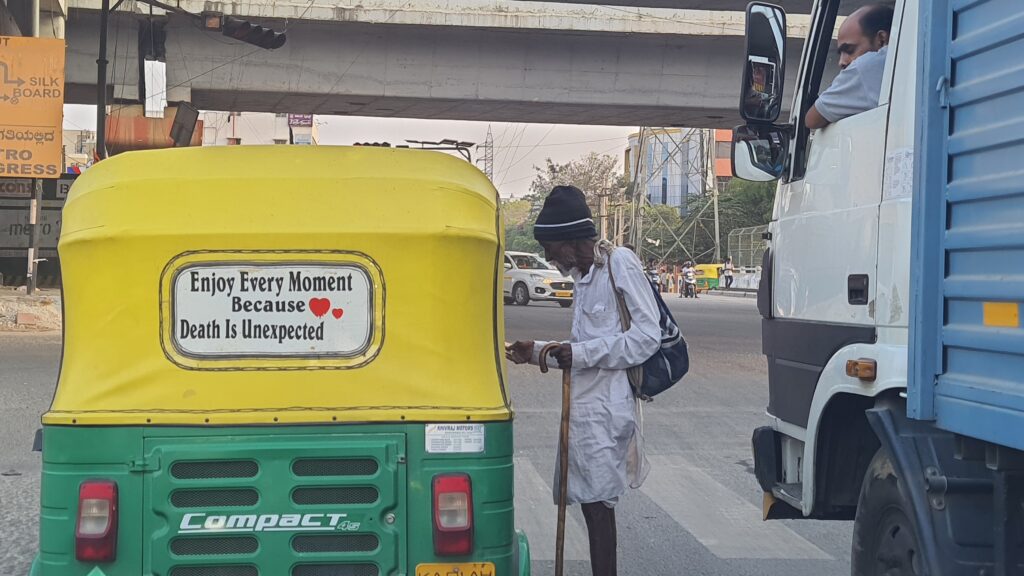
<point>31,107</point>
<point>15,200</point>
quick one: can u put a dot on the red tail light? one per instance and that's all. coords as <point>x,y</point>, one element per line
<point>453,515</point>
<point>96,531</point>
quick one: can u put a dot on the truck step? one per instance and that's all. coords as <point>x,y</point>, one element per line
<point>792,494</point>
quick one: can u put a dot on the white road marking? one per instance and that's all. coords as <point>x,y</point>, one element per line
<point>727,525</point>
<point>538,517</point>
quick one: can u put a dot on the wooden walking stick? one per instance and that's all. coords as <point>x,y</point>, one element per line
<point>563,456</point>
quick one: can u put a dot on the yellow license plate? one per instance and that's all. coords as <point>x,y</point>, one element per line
<point>456,569</point>
<point>563,294</point>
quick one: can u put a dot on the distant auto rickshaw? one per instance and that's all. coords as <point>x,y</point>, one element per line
<point>268,371</point>
<point>707,276</point>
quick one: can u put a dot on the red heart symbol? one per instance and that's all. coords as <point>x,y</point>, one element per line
<point>338,313</point>
<point>319,306</point>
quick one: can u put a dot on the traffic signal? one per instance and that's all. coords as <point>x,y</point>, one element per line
<point>251,33</point>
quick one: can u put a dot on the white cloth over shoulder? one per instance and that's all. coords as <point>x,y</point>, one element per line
<point>856,89</point>
<point>602,421</point>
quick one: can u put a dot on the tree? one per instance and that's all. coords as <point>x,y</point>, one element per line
<point>516,211</point>
<point>519,216</point>
<point>747,203</point>
<point>741,205</point>
<point>593,174</point>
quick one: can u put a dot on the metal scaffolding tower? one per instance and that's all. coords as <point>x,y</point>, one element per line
<point>488,154</point>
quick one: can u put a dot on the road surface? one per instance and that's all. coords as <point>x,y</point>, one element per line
<point>698,512</point>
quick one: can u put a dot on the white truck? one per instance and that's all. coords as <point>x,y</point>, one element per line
<point>892,287</point>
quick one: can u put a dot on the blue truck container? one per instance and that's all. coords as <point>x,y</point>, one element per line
<point>966,339</point>
<point>967,342</point>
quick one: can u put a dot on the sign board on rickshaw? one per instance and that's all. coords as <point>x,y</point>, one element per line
<point>31,107</point>
<point>273,306</point>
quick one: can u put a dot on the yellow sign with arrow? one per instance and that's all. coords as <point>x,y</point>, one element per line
<point>31,107</point>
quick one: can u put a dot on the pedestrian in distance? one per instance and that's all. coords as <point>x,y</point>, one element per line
<point>604,443</point>
<point>727,271</point>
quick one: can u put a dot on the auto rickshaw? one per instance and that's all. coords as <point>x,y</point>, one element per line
<point>707,276</point>
<point>268,370</point>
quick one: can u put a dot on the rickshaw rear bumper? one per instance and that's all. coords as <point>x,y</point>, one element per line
<point>522,554</point>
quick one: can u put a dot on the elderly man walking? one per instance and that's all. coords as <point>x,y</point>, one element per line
<point>602,435</point>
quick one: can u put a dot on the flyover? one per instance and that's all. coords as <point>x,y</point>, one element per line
<point>495,60</point>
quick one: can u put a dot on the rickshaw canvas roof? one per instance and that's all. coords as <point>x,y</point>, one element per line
<point>421,229</point>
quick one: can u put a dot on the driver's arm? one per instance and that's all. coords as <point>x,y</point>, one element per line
<point>814,120</point>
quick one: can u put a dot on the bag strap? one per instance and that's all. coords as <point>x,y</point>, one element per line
<point>620,301</point>
<point>636,373</point>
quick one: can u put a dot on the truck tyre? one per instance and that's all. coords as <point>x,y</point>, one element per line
<point>885,541</point>
<point>520,295</point>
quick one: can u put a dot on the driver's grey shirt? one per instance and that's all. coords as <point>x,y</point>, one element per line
<point>856,89</point>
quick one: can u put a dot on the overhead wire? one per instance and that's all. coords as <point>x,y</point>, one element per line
<point>528,152</point>
<point>564,143</point>
<point>521,178</point>
<point>517,137</point>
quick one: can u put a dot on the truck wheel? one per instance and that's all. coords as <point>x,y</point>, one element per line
<point>520,295</point>
<point>884,534</point>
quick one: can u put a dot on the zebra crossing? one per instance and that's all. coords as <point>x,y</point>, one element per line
<point>727,525</point>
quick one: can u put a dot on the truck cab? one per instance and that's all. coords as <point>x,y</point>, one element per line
<point>835,284</point>
<point>838,309</point>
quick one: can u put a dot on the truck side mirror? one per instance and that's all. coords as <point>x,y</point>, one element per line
<point>759,152</point>
<point>765,67</point>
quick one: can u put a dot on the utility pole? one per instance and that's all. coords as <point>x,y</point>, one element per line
<point>709,157</point>
<point>602,203</point>
<point>639,192</point>
<point>37,197</point>
<point>101,84</point>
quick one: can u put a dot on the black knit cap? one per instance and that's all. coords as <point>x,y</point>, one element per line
<point>565,216</point>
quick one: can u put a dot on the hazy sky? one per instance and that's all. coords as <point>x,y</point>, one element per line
<point>517,147</point>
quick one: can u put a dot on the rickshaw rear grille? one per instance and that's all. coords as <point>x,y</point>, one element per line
<point>215,571</point>
<point>335,570</point>
<point>335,495</point>
<point>336,543</point>
<point>335,467</point>
<point>220,546</point>
<point>210,469</point>
<point>214,498</point>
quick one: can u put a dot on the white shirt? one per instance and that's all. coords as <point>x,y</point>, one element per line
<point>602,422</point>
<point>855,89</point>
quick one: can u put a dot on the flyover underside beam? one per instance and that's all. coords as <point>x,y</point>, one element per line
<point>440,72</point>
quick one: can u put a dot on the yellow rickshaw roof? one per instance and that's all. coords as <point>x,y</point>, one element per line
<point>281,284</point>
